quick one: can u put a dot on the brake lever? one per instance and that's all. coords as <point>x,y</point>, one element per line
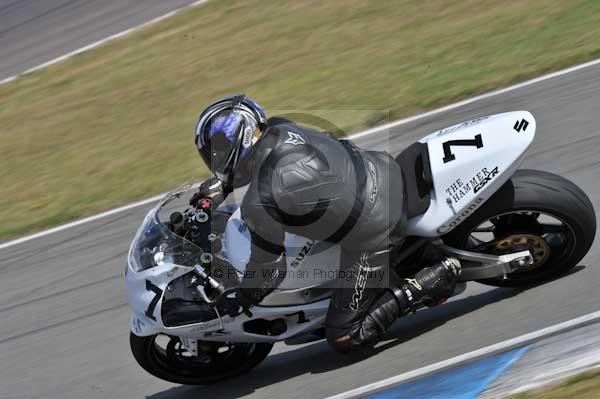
<point>202,293</point>
<point>211,281</point>
<point>217,287</point>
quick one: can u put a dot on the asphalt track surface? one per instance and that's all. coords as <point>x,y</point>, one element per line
<point>64,330</point>
<point>33,32</point>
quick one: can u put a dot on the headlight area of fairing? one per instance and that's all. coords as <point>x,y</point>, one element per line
<point>182,303</point>
<point>179,304</point>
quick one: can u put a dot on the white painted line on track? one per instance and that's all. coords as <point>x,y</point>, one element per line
<point>80,221</point>
<point>475,99</point>
<point>355,136</point>
<point>102,41</point>
<point>88,219</point>
<point>477,354</point>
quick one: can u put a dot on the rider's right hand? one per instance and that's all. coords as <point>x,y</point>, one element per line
<point>210,188</point>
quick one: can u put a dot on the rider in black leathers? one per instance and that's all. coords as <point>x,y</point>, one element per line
<point>308,183</point>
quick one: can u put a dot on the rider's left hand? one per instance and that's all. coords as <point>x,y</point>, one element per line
<point>233,303</point>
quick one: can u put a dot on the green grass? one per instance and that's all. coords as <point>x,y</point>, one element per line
<point>115,124</point>
<point>582,386</point>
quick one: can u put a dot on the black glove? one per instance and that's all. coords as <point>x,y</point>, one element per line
<point>211,188</point>
<point>233,303</point>
<point>196,198</point>
<point>261,278</point>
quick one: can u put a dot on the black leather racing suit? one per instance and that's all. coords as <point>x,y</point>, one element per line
<point>311,184</point>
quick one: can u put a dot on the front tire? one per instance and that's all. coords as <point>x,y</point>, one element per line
<point>164,357</point>
<point>519,217</point>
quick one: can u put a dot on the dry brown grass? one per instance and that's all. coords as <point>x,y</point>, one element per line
<point>583,386</point>
<point>115,124</point>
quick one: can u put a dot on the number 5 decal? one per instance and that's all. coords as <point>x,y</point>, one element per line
<point>157,291</point>
<point>449,156</point>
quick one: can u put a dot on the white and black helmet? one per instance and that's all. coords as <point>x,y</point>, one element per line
<point>225,132</point>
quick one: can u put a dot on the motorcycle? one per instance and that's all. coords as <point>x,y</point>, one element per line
<point>465,197</point>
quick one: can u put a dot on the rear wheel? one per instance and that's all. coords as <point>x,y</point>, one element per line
<point>165,357</point>
<point>536,211</point>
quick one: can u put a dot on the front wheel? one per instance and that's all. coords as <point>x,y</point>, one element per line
<point>536,211</point>
<point>165,357</point>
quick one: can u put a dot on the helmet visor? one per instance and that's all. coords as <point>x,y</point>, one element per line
<point>219,152</point>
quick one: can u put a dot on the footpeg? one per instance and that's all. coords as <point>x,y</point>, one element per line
<point>479,266</point>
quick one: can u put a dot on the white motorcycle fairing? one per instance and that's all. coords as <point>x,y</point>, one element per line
<point>468,163</point>
<point>146,289</point>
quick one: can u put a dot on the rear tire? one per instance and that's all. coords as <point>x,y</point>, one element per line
<point>513,213</point>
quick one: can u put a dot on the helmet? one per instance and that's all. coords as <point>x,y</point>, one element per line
<point>225,131</point>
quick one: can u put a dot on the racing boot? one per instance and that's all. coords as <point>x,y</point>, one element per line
<point>430,286</point>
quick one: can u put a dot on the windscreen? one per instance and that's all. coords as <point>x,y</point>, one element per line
<point>154,244</point>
